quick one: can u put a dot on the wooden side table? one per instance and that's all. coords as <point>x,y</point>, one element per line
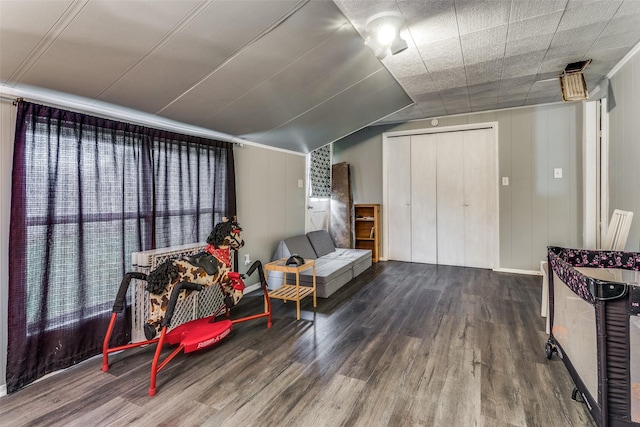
<point>292,292</point>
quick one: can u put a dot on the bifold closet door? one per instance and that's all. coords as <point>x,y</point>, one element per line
<point>424,233</point>
<point>450,200</point>
<point>480,198</point>
<point>399,198</point>
<point>442,198</point>
<point>466,198</point>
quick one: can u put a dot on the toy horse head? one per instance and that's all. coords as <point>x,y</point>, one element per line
<point>226,234</point>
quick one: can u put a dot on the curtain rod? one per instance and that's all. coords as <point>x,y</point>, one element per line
<point>9,98</point>
<point>15,101</point>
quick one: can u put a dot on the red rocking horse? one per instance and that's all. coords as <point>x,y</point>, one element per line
<point>172,281</point>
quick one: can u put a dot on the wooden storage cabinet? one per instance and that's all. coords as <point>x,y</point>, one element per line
<point>367,229</point>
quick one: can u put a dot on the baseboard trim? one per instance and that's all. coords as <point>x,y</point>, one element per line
<point>503,270</point>
<point>518,271</point>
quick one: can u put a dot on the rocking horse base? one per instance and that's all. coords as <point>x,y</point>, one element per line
<point>199,334</point>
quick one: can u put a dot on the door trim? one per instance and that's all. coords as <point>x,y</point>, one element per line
<point>457,128</point>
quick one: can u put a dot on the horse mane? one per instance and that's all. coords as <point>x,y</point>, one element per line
<point>158,279</point>
<point>221,231</point>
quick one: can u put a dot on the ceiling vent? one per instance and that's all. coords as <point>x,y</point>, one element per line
<point>572,83</point>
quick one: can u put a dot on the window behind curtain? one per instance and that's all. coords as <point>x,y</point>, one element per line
<point>86,193</point>
<point>190,180</point>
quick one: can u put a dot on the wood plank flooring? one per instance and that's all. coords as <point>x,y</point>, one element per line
<point>401,345</point>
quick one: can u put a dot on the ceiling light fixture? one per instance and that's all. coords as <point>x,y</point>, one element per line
<point>572,82</point>
<point>383,34</point>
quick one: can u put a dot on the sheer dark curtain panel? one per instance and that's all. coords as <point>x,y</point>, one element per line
<point>193,177</point>
<point>86,193</point>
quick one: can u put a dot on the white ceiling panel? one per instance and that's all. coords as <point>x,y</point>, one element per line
<point>484,72</point>
<point>410,69</point>
<point>462,91</point>
<point>483,103</point>
<point>449,79</point>
<point>522,65</point>
<point>361,97</point>
<point>582,36</point>
<point>418,84</point>
<point>534,43</point>
<point>624,37</point>
<point>190,53</point>
<point>509,104</point>
<point>295,73</point>
<point>580,14</point>
<point>442,54</point>
<point>512,97</point>
<point>263,59</point>
<point>484,89</point>
<point>533,27</point>
<point>88,54</point>
<point>476,15</point>
<point>524,10</point>
<point>484,45</point>
<point>22,44</point>
<point>518,85</point>
<point>300,86</point>
<point>562,52</point>
<point>608,56</point>
<point>430,21</point>
<point>428,98</point>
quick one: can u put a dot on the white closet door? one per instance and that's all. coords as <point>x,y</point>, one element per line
<point>399,198</point>
<point>479,198</point>
<point>424,234</point>
<point>450,200</point>
<point>442,198</point>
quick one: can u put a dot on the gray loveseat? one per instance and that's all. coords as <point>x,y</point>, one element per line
<point>335,267</point>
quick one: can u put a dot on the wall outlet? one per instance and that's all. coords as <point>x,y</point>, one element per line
<point>247,259</point>
<point>505,180</point>
<point>557,173</point>
<point>300,183</point>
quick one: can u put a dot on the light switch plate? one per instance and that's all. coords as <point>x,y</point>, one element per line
<point>505,180</point>
<point>557,172</point>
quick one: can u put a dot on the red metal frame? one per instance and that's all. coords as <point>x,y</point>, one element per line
<point>157,365</point>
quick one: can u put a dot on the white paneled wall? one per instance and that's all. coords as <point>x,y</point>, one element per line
<point>271,206</point>
<point>624,145</point>
<point>7,128</point>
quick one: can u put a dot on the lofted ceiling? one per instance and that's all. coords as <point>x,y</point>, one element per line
<point>295,74</point>
<point>286,73</point>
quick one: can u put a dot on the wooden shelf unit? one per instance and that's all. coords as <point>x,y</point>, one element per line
<point>367,229</point>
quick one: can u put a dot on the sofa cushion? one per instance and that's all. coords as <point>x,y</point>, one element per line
<point>326,271</point>
<point>321,242</point>
<point>300,245</point>
<point>353,255</point>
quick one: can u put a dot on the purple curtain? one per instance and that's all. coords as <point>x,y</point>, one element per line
<point>86,193</point>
